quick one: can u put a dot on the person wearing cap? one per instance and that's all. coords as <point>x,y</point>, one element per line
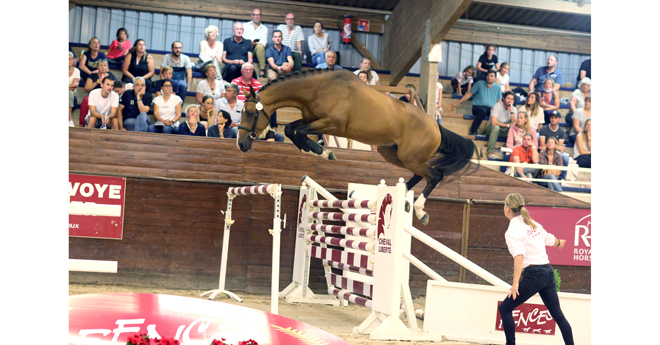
<point>553,130</point>
<point>500,121</point>
<point>532,273</point>
<point>525,153</point>
<point>549,71</point>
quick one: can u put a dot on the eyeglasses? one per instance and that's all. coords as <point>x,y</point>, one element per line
<point>289,18</point>
<point>254,15</point>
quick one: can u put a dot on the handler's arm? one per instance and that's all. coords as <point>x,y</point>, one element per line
<point>517,272</point>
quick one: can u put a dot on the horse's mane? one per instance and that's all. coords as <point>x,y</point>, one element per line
<point>296,75</point>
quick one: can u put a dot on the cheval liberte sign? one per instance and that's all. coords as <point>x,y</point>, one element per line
<point>573,225</point>
<point>96,206</point>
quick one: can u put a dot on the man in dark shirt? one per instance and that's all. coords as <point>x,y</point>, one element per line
<point>585,71</point>
<point>238,51</point>
<point>133,108</point>
<point>553,130</point>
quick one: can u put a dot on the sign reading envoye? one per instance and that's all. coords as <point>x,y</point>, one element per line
<point>96,206</point>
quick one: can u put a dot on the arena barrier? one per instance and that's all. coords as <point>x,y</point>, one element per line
<point>275,191</point>
<point>374,258</point>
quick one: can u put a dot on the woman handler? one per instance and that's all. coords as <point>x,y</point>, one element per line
<point>532,273</point>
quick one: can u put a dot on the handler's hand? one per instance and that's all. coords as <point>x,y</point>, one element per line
<point>561,244</point>
<point>513,291</point>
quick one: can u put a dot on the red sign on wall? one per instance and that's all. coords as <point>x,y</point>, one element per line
<point>96,206</point>
<point>572,225</point>
<point>363,25</point>
<point>529,318</point>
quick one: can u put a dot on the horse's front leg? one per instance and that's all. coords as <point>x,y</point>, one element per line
<point>290,131</point>
<point>320,126</point>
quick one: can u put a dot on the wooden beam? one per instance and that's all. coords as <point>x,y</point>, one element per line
<point>241,10</point>
<point>365,53</point>
<point>404,36</point>
<point>71,5</point>
<point>520,37</point>
<point>543,5</point>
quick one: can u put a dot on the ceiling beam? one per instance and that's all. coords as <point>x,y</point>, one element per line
<point>558,6</point>
<point>405,31</point>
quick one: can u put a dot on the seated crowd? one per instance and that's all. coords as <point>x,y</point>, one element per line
<point>532,129</point>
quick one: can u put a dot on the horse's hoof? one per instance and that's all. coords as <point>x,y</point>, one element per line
<point>407,208</point>
<point>425,219</point>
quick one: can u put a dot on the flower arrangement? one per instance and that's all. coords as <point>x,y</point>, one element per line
<point>143,339</point>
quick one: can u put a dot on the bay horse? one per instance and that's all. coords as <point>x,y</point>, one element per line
<point>340,104</point>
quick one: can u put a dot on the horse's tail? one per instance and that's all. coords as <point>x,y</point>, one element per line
<point>454,153</point>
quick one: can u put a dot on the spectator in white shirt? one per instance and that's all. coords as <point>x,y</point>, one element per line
<point>365,65</point>
<point>319,44</point>
<point>257,32</point>
<point>74,79</point>
<point>103,104</point>
<point>503,77</point>
<point>210,49</point>
<point>292,37</point>
<point>232,105</point>
<point>167,111</point>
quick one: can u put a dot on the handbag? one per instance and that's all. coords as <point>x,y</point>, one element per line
<point>555,172</point>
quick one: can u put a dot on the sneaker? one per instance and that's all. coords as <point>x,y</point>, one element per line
<point>104,126</point>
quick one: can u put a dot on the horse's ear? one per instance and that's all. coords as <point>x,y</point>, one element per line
<point>252,93</point>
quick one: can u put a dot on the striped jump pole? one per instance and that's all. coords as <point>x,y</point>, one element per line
<point>275,191</point>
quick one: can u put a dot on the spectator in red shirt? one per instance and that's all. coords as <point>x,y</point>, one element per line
<point>245,81</point>
<point>525,153</point>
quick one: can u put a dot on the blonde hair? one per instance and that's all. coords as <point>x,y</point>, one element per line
<point>516,203</point>
<point>556,145</point>
<point>165,69</point>
<point>210,29</point>
<point>193,106</point>
<point>526,127</point>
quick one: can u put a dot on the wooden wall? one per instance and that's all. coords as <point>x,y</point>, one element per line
<point>176,189</point>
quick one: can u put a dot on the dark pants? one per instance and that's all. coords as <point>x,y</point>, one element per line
<point>231,72</point>
<point>454,84</point>
<point>535,279</point>
<point>479,112</point>
<point>297,61</point>
<point>583,161</point>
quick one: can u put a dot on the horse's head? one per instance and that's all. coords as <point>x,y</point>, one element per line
<point>253,121</point>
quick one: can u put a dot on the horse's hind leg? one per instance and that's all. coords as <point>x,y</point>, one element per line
<point>320,126</point>
<point>390,153</point>
<point>421,200</point>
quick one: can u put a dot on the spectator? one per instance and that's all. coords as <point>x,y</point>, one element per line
<point>192,126</point>
<point>279,57</point>
<point>95,80</point>
<point>245,81</point>
<point>103,105</point>
<point>74,79</point>
<point>406,97</point>
<point>525,153</point>
<point>167,111</point>
<point>582,149</point>
<point>119,47</point>
<point>549,99</point>
<point>363,76</point>
<point>133,108</point>
<point>181,69</point>
<point>138,63</point>
<point>90,59</point>
<point>238,51</point>
<point>384,83</point>
<point>270,135</point>
<point>577,98</point>
<point>75,58</point>
<point>550,71</point>
<point>231,104</point>
<point>166,73</point>
<point>365,65</point>
<point>292,37</point>
<point>500,121</point>
<point>552,130</point>
<point>487,61</point>
<point>223,128</point>
<point>551,156</point>
<point>119,88</point>
<point>438,102</point>
<point>208,111</point>
<point>464,79</point>
<point>210,86</point>
<point>519,129</point>
<point>579,119</point>
<point>486,93</point>
<point>585,71</point>
<point>257,33</point>
<point>533,108</point>
<point>319,43</point>
<point>210,50</point>
<point>330,61</point>
<point>503,77</point>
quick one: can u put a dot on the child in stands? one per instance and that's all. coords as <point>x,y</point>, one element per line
<point>462,82</point>
<point>119,47</point>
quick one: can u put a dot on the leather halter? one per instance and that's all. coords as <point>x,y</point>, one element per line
<point>252,133</point>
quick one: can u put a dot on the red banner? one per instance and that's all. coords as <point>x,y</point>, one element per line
<point>529,318</point>
<point>572,225</point>
<point>96,206</point>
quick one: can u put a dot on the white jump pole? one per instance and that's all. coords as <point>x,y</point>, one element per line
<point>99,266</point>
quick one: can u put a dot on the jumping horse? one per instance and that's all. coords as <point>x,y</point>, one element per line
<point>337,103</point>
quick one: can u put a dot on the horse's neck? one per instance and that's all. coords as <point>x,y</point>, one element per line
<point>293,94</point>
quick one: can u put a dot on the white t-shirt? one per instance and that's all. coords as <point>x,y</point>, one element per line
<point>374,76</point>
<point>205,49</point>
<point>580,115</point>
<point>204,88</point>
<point>76,74</point>
<point>167,110</point>
<point>502,81</point>
<point>103,105</point>
<point>523,239</point>
<point>534,119</point>
<point>222,104</point>
<point>438,95</point>
<point>261,32</point>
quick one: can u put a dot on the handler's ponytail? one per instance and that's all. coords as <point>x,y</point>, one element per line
<point>516,203</point>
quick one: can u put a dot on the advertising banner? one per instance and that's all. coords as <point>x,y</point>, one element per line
<point>530,318</point>
<point>572,225</point>
<point>96,206</point>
